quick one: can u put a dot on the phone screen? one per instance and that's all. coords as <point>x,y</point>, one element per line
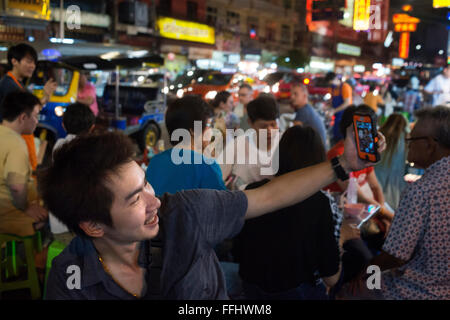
<point>366,141</point>
<point>370,211</point>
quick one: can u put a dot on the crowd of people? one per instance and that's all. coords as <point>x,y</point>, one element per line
<point>217,225</point>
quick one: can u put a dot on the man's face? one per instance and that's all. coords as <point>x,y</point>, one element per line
<point>135,207</point>
<point>299,97</point>
<point>24,67</point>
<point>31,121</point>
<point>447,72</point>
<point>420,150</point>
<point>267,125</point>
<point>245,96</point>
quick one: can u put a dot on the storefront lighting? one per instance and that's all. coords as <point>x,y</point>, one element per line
<point>189,89</point>
<point>266,89</point>
<point>273,66</point>
<point>65,40</point>
<point>327,96</point>
<point>190,73</point>
<point>300,70</point>
<point>377,66</point>
<point>200,79</point>
<point>180,93</point>
<point>287,59</point>
<point>211,95</point>
<point>275,87</point>
<point>3,48</point>
<point>418,47</point>
<point>110,55</point>
<point>59,111</point>
<point>441,52</point>
<point>90,66</point>
<point>172,87</point>
<point>179,85</point>
<point>306,81</point>
<point>31,39</point>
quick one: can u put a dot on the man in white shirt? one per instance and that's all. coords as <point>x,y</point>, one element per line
<point>439,87</point>
<point>248,158</point>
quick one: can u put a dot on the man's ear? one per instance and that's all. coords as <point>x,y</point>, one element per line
<point>92,229</point>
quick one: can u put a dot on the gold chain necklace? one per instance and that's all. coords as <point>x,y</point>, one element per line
<point>114,279</point>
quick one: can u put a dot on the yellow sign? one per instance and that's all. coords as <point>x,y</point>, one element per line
<point>441,3</point>
<point>361,15</point>
<point>39,7</point>
<point>185,30</point>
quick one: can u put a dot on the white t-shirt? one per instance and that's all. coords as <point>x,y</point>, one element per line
<point>243,159</point>
<point>439,83</point>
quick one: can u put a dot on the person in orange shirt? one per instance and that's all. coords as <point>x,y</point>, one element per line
<point>373,98</point>
<point>341,98</point>
<point>22,59</point>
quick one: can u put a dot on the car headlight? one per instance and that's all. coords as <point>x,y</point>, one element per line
<point>180,93</point>
<point>275,88</point>
<point>59,111</point>
<point>211,95</point>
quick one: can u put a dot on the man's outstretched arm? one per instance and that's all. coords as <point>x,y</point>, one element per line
<point>296,186</point>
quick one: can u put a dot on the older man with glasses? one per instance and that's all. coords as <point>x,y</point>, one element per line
<point>417,249</point>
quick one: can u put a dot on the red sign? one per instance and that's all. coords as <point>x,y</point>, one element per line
<point>403,50</point>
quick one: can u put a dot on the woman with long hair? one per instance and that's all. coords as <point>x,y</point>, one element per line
<point>293,253</point>
<point>390,170</point>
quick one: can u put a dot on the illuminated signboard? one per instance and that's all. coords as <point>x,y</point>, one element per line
<point>361,15</point>
<point>404,18</point>
<point>404,45</point>
<point>185,30</point>
<point>405,27</point>
<point>441,3</point>
<point>347,49</point>
<point>39,9</point>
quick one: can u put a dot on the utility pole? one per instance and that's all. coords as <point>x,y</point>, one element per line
<point>61,20</point>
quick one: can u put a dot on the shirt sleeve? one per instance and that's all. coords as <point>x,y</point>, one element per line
<point>219,215</point>
<point>409,223</point>
<point>17,162</point>
<point>347,92</point>
<point>431,86</point>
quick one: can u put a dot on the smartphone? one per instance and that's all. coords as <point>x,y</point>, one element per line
<point>366,134</point>
<point>371,211</point>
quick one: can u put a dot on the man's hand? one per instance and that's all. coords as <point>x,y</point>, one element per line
<point>349,231</point>
<point>350,160</point>
<point>49,88</point>
<point>37,212</point>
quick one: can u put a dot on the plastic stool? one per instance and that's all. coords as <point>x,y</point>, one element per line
<point>54,249</point>
<point>8,264</point>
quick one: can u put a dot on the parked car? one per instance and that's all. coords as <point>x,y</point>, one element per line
<point>208,85</point>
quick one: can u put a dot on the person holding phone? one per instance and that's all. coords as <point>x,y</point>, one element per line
<point>369,190</point>
<point>118,215</point>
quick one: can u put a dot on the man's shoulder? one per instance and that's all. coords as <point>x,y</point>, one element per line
<point>74,254</point>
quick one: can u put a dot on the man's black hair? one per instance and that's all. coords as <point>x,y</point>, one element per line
<point>245,86</point>
<point>16,103</point>
<point>347,116</point>
<point>19,52</point>
<point>182,113</point>
<point>78,118</point>
<point>330,76</point>
<point>264,107</point>
<point>74,187</point>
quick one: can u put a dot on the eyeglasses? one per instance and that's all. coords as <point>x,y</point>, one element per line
<point>409,140</point>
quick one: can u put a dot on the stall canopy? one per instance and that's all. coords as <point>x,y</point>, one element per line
<point>98,63</point>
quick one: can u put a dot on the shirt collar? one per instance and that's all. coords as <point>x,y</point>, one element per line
<point>93,271</point>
